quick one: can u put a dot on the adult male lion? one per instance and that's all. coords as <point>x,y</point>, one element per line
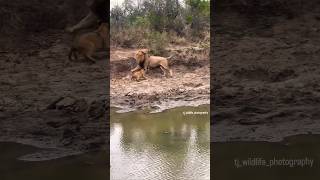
<point>145,61</point>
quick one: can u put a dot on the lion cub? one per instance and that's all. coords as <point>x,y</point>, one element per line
<point>86,44</point>
<point>138,75</point>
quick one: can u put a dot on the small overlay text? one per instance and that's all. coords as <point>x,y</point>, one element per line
<point>273,162</point>
<point>185,113</point>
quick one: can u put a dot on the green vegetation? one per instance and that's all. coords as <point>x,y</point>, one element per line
<point>155,23</point>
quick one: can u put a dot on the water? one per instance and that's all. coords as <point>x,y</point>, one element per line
<point>167,145</point>
<point>298,147</point>
<point>83,167</point>
<point>170,145</point>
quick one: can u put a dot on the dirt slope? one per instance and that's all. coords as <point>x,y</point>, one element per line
<point>188,86</point>
<point>43,102</point>
<point>266,71</point>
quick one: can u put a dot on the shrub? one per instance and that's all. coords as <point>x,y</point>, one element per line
<point>129,36</point>
<point>157,42</point>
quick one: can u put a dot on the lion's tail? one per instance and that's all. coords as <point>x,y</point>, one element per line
<point>170,57</point>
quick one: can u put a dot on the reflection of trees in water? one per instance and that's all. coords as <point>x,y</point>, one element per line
<point>167,131</point>
<point>169,141</point>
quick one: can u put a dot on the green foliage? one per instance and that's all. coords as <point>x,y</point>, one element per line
<point>202,6</point>
<point>141,22</point>
<point>190,18</point>
<point>198,15</point>
<point>157,42</point>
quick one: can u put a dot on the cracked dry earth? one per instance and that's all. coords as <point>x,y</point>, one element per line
<point>189,86</point>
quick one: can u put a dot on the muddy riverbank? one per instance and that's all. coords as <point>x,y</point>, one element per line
<point>43,102</point>
<point>47,104</point>
<point>189,86</point>
<point>266,71</point>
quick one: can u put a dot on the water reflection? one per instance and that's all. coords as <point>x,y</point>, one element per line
<point>162,146</point>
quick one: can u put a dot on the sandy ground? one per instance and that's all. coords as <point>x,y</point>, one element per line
<point>189,86</point>
<point>267,77</point>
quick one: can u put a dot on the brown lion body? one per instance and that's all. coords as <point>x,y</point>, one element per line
<point>138,75</point>
<point>87,44</point>
<point>145,61</point>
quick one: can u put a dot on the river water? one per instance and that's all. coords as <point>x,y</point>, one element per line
<point>174,144</point>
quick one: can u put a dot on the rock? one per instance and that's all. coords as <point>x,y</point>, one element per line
<point>195,85</point>
<point>53,104</point>
<point>80,105</point>
<point>97,109</point>
<point>188,75</point>
<point>67,137</point>
<point>197,49</point>
<point>130,94</point>
<point>68,101</point>
<point>181,90</point>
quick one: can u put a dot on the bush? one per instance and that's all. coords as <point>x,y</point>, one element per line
<point>164,18</point>
<point>157,42</point>
<point>138,37</point>
<point>129,36</point>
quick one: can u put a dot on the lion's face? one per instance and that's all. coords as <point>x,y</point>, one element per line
<point>140,57</point>
<point>103,30</point>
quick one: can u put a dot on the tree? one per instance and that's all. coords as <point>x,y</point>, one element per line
<point>198,14</point>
